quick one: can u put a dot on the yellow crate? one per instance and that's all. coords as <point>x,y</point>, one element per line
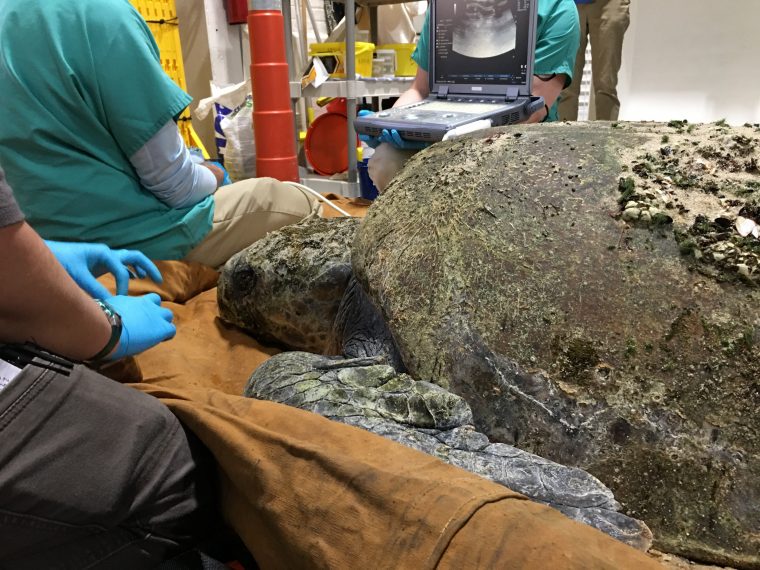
<point>337,50</point>
<point>167,37</point>
<point>405,65</point>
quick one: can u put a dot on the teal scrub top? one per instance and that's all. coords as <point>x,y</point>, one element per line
<point>557,40</point>
<point>82,89</point>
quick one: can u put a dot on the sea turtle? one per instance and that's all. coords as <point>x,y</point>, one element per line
<point>288,288</point>
<point>591,291</point>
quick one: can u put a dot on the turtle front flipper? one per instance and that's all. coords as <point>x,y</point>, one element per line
<point>365,393</point>
<point>359,329</point>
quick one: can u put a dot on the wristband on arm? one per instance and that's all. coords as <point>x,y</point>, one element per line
<point>114,319</point>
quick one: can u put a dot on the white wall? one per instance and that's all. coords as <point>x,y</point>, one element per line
<point>692,59</point>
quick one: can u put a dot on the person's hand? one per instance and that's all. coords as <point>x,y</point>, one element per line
<point>385,163</point>
<point>221,174</point>
<point>391,137</point>
<point>226,180</point>
<point>218,171</point>
<point>84,262</point>
<point>145,323</point>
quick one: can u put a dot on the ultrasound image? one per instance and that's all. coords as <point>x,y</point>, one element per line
<point>484,28</point>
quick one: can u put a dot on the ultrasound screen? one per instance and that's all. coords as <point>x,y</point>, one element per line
<point>481,41</point>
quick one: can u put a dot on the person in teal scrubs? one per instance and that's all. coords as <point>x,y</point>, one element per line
<point>88,136</point>
<point>557,39</point>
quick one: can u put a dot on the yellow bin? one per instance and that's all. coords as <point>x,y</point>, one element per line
<point>337,50</point>
<point>405,65</point>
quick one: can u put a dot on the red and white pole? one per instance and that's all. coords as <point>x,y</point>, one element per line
<point>273,121</point>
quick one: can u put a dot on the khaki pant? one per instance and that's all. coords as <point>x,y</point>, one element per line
<point>604,22</point>
<point>247,211</point>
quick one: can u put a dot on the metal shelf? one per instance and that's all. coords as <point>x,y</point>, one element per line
<point>370,87</point>
<point>352,88</point>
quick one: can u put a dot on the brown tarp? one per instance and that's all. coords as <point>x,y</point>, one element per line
<point>305,492</point>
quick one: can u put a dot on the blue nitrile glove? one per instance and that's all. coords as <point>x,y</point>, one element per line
<point>84,262</point>
<point>226,180</point>
<point>391,137</point>
<point>196,155</point>
<point>145,323</point>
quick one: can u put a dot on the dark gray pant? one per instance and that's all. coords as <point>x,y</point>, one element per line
<point>94,474</point>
